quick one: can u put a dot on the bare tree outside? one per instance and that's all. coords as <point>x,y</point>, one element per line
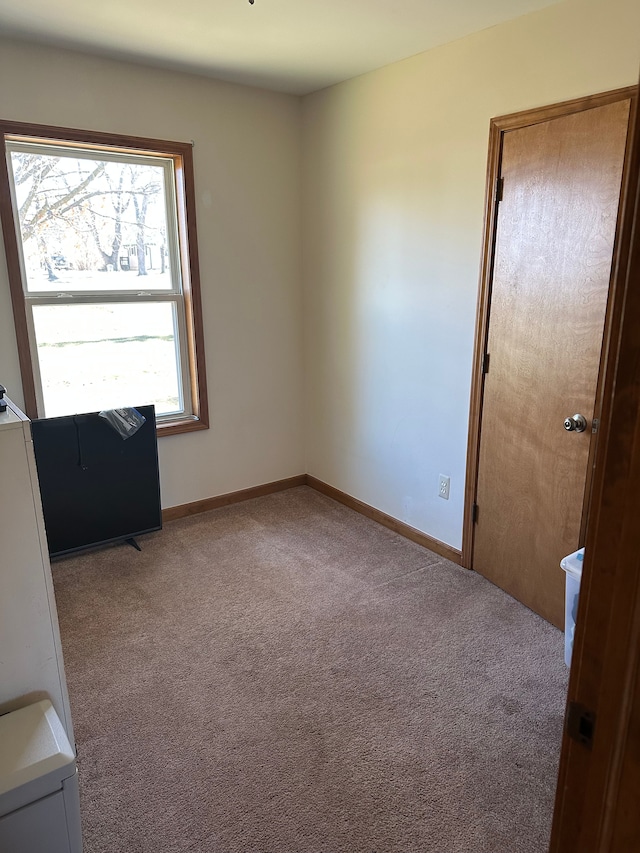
<point>143,192</point>
<point>79,217</point>
<point>120,200</point>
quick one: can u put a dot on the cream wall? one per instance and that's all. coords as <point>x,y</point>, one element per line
<point>394,172</point>
<point>247,168</point>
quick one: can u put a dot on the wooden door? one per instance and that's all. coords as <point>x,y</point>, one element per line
<point>597,795</point>
<point>554,243</point>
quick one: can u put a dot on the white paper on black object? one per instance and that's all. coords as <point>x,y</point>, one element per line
<point>126,422</point>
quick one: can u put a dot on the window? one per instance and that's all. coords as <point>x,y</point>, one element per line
<point>102,257</point>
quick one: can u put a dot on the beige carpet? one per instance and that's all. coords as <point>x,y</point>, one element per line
<point>285,676</point>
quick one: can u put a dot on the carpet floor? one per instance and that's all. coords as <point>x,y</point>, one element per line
<point>286,676</point>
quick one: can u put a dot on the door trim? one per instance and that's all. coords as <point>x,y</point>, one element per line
<point>497,129</point>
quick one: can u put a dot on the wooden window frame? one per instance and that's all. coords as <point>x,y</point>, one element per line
<point>181,153</point>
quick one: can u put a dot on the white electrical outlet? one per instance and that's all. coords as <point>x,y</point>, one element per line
<point>443,487</point>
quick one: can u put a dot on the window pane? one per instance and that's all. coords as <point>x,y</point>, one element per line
<point>96,357</point>
<point>92,224</point>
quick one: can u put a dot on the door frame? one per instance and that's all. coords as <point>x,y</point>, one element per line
<point>497,129</point>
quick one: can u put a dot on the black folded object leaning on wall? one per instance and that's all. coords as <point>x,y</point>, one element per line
<point>95,487</point>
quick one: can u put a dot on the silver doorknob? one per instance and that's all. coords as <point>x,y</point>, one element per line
<point>577,423</point>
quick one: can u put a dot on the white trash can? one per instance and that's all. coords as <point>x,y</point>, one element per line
<point>572,566</point>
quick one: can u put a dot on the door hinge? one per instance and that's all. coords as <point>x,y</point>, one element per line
<point>499,188</point>
<point>485,363</point>
<point>474,514</point>
<point>595,423</point>
<point>581,724</point>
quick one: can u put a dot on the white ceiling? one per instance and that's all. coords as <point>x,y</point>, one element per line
<point>295,46</point>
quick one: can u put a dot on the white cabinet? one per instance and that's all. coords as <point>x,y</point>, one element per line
<point>39,800</point>
<point>31,666</point>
